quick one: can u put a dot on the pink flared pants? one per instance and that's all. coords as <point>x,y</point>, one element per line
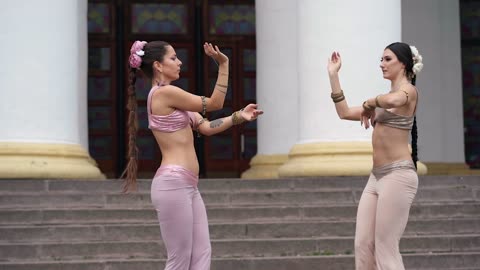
<point>182,217</point>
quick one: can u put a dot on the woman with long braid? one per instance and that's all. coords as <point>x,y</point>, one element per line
<point>172,116</point>
<point>385,203</point>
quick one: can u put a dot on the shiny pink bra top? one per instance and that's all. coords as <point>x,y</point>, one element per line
<point>177,120</point>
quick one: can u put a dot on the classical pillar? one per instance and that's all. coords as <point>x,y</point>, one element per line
<point>433,26</point>
<point>43,90</point>
<point>327,145</point>
<point>277,86</point>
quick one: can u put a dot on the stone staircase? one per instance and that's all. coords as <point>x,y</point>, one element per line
<point>286,224</point>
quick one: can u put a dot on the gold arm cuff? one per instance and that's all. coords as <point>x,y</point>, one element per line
<point>336,95</point>
<point>377,102</point>
<point>237,119</point>
<point>337,100</point>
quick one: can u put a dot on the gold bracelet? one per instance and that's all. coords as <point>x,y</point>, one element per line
<point>221,86</point>
<point>336,95</point>
<point>236,118</point>
<point>198,126</point>
<point>367,107</point>
<point>337,100</point>
<point>204,105</point>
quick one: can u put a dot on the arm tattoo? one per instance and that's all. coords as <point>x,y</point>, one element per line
<point>216,123</point>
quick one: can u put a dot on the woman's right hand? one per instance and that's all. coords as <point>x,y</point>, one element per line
<point>366,118</point>
<point>334,63</point>
<point>215,53</point>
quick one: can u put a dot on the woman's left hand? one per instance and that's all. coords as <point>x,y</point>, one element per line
<point>215,53</point>
<point>250,113</point>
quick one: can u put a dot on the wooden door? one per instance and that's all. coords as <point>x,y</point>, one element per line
<point>167,20</point>
<point>470,35</point>
<point>231,25</point>
<point>185,24</point>
<point>103,118</point>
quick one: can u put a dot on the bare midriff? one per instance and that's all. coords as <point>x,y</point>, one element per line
<point>177,148</point>
<point>389,145</point>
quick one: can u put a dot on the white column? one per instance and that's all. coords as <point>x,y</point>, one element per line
<point>277,85</point>
<point>434,27</point>
<point>43,86</point>
<point>359,30</point>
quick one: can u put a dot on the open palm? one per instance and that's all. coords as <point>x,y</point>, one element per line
<point>251,112</point>
<point>215,53</point>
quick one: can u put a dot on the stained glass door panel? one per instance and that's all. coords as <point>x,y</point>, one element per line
<point>102,98</point>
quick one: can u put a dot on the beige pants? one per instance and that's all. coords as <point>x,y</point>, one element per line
<point>382,216</point>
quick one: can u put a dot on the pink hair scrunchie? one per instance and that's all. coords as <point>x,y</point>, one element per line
<point>136,53</point>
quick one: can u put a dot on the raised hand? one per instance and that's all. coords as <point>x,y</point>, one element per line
<point>215,53</point>
<point>334,63</point>
<point>250,113</point>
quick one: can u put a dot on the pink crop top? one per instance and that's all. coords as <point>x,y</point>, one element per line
<point>177,120</point>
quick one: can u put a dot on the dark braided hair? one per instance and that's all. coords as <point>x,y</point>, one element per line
<point>414,134</point>
<point>131,169</point>
<point>404,55</point>
<point>154,51</point>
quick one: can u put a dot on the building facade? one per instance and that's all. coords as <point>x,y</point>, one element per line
<point>73,116</point>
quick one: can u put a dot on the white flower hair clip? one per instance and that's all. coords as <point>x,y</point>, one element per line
<point>140,52</point>
<point>417,60</point>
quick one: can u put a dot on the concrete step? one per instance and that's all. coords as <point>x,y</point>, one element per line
<point>228,248</point>
<point>230,184</point>
<point>317,196</point>
<point>268,224</point>
<point>223,213</point>
<point>464,260</point>
<point>227,230</point>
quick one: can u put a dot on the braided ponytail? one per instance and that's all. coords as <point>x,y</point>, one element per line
<point>131,169</point>
<point>142,56</point>
<point>414,134</point>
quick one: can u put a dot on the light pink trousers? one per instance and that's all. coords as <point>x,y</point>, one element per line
<point>382,216</point>
<point>182,217</point>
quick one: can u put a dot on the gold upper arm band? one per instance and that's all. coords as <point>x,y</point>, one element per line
<point>406,93</point>
<point>377,101</point>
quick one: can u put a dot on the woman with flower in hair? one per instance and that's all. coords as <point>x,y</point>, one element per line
<point>172,117</point>
<point>384,206</point>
